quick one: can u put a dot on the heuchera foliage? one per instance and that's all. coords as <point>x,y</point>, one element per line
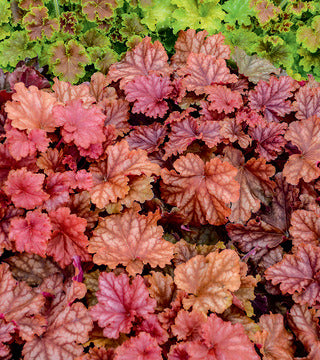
<point>168,210</point>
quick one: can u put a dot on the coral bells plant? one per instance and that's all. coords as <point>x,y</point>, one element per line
<point>168,210</point>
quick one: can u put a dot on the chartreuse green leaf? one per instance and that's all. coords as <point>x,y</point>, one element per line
<point>158,15</point>
<point>17,48</point>
<point>310,62</point>
<point>242,38</point>
<point>309,36</point>
<point>238,11</point>
<point>197,14</point>
<point>5,12</point>
<point>132,26</point>
<point>103,58</point>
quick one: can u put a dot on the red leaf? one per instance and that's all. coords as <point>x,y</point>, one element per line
<point>68,237</point>
<point>149,93</point>
<point>32,233</point>
<point>119,303</point>
<point>25,188</point>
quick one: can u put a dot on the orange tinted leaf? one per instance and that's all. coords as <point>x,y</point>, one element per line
<point>142,60</point>
<point>202,71</point>
<point>231,130</point>
<point>255,184</point>
<point>130,239</point>
<point>31,108</point>
<point>274,341</point>
<point>306,135</point>
<point>224,99</point>
<point>305,227</point>
<point>117,114</point>
<point>187,325</point>
<point>201,190</point>
<point>110,176</point>
<point>210,280</point>
<point>190,41</point>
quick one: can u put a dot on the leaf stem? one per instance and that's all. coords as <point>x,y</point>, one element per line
<point>56,7</point>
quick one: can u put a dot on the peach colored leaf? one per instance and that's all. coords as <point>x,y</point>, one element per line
<point>305,134</point>
<point>199,43</point>
<point>19,145</point>
<point>110,176</point>
<point>307,102</point>
<point>147,137</point>
<point>274,341</point>
<point>32,233</point>
<point>253,67</point>
<point>100,9</point>
<point>65,92</point>
<point>209,280</point>
<point>21,304</point>
<point>68,238</point>
<point>66,329</point>
<point>132,240</point>
<point>68,60</point>
<point>297,274</point>
<point>117,114</point>
<point>202,71</point>
<point>255,184</point>
<point>188,325</point>
<point>148,94</point>
<point>305,227</point>
<point>224,99</point>
<point>83,126</point>
<point>99,88</point>
<point>232,131</point>
<point>25,188</point>
<point>38,24</point>
<point>142,347</point>
<point>201,190</point>
<point>270,97</point>
<point>304,323</point>
<point>31,108</point>
<point>161,288</point>
<point>119,303</point>
<point>142,60</point>
<point>227,341</point>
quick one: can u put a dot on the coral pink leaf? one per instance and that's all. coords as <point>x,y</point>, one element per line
<point>5,331</point>
<point>188,325</point>
<point>130,239</point>
<point>142,347</point>
<point>298,274</point>
<point>148,93</point>
<point>19,145</point>
<point>227,340</point>
<point>119,302</point>
<point>224,99</point>
<point>83,126</point>
<point>307,103</point>
<point>142,60</point>
<point>201,190</point>
<point>25,188</point>
<point>270,97</point>
<point>31,108</point>
<point>202,71</point>
<point>305,134</point>
<point>68,238</point>
<point>32,233</point>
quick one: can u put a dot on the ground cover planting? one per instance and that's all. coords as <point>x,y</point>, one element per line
<point>166,210</point>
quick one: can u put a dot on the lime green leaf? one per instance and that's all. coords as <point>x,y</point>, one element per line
<point>247,40</point>
<point>310,61</point>
<point>17,48</point>
<point>310,36</point>
<point>94,38</point>
<point>68,60</point>
<point>132,26</point>
<point>5,31</point>
<point>198,14</point>
<point>158,15</point>
<point>238,11</point>
<point>5,12</point>
<point>38,24</point>
<point>103,58</point>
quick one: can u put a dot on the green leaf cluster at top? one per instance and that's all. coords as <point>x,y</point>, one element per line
<point>78,37</point>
